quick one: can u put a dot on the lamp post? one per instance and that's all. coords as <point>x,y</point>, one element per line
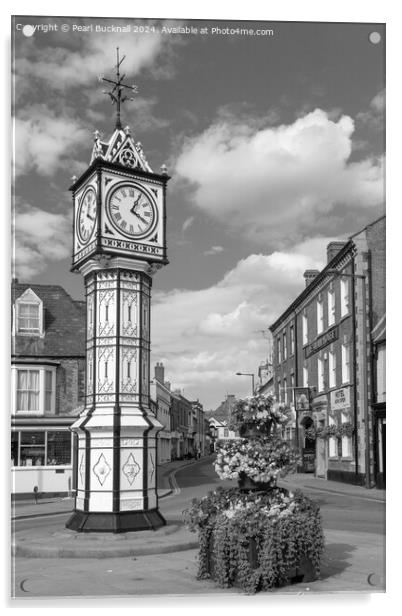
<point>362,277</point>
<point>252,379</point>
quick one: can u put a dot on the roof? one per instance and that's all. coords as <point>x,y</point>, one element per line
<point>64,324</point>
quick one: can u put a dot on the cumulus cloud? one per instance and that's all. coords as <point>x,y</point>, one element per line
<point>39,237</point>
<point>43,141</point>
<point>280,184</point>
<point>374,116</point>
<point>213,332</point>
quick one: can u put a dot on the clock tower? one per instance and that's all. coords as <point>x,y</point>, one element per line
<point>119,241</point>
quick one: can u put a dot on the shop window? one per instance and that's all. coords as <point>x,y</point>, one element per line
<point>32,449</point>
<point>58,447</point>
<point>14,448</point>
<point>41,448</point>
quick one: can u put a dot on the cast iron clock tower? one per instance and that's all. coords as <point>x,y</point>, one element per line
<point>119,241</point>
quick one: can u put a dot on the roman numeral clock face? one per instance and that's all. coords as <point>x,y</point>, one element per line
<point>86,219</point>
<point>131,211</point>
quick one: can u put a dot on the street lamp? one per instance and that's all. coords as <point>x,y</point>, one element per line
<point>252,379</point>
<point>362,277</point>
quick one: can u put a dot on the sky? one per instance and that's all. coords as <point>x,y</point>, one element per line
<point>274,144</point>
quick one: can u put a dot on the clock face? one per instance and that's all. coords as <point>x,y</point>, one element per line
<point>86,219</point>
<point>131,211</point>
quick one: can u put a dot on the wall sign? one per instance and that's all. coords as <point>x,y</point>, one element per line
<point>340,399</point>
<point>322,341</point>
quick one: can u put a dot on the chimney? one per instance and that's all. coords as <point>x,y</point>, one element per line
<point>309,276</point>
<point>333,248</point>
<point>160,372</point>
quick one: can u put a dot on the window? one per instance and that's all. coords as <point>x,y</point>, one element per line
<point>292,340</point>
<point>320,367</point>
<point>285,346</point>
<point>41,448</point>
<point>28,390</point>
<point>279,350</point>
<point>320,316</point>
<point>305,328</point>
<point>225,432</point>
<point>333,445</point>
<point>28,314</point>
<point>344,296</point>
<point>332,368</point>
<point>305,375</point>
<point>33,389</point>
<point>345,363</point>
<point>285,391</point>
<point>292,382</point>
<point>346,440</point>
<point>331,306</point>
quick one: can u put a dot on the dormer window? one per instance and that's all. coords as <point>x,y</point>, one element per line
<point>28,312</point>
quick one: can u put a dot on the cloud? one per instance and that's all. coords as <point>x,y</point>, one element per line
<point>38,237</point>
<point>62,67</point>
<point>214,250</point>
<point>374,116</point>
<point>213,332</point>
<point>44,141</point>
<point>187,223</point>
<point>280,185</point>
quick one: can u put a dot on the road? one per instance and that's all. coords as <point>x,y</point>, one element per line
<point>345,567</point>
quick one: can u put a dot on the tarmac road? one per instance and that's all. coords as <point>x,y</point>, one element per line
<point>354,558</point>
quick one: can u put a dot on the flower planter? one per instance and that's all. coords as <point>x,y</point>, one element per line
<point>245,483</point>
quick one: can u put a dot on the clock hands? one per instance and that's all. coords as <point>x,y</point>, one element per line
<point>140,217</point>
<point>135,204</point>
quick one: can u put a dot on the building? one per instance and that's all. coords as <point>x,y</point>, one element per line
<point>160,395</point>
<point>47,386</point>
<point>182,413</point>
<point>219,431</point>
<point>323,360</point>
<point>198,427</point>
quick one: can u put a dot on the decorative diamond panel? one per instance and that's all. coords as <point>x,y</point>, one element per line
<point>101,469</point>
<point>131,469</point>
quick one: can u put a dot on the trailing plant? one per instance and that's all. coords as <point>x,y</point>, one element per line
<point>326,432</point>
<point>284,527</point>
<point>260,412</point>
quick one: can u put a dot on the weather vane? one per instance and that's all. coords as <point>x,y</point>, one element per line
<point>116,93</point>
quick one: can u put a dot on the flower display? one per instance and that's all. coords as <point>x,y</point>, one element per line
<point>260,412</point>
<point>262,459</point>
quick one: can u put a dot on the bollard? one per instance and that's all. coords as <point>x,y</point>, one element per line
<point>36,491</point>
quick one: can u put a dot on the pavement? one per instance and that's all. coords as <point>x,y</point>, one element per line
<point>165,561</point>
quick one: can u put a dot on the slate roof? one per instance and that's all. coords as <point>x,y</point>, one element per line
<point>64,324</point>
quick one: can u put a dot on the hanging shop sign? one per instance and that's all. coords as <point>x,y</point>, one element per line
<point>322,341</point>
<point>340,399</point>
<point>301,399</point>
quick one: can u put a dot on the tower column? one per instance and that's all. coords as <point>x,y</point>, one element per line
<point>116,474</point>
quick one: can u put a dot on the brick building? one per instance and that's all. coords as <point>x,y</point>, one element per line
<point>47,386</point>
<point>161,396</point>
<point>323,360</point>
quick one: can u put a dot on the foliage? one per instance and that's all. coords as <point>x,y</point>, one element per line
<point>260,412</point>
<point>262,459</point>
<point>345,429</point>
<point>283,526</point>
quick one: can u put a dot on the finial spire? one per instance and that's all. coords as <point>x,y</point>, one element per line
<point>116,93</point>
